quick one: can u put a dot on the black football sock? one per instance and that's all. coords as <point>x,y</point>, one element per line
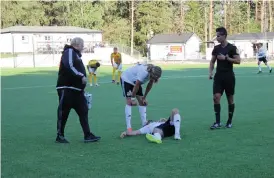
<point>217,109</point>
<point>230,113</point>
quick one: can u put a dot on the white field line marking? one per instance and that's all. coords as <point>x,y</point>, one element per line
<point>162,78</point>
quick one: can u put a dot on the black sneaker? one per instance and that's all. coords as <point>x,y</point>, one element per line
<point>117,83</point>
<point>259,72</point>
<point>270,70</point>
<point>61,139</point>
<point>215,126</point>
<point>113,81</point>
<point>228,125</point>
<point>91,138</point>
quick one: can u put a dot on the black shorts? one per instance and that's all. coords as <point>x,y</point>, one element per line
<point>224,82</point>
<point>127,89</point>
<point>262,59</point>
<point>168,130</point>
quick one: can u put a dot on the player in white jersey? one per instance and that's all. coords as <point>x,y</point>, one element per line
<point>132,80</point>
<point>262,58</point>
<point>144,130</point>
<point>170,128</point>
<point>157,130</point>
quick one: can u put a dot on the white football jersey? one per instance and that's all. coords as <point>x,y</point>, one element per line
<point>148,129</point>
<point>137,72</point>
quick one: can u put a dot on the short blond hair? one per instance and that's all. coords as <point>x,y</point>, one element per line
<point>77,41</point>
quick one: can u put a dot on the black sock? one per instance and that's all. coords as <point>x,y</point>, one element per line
<point>217,109</point>
<point>230,113</point>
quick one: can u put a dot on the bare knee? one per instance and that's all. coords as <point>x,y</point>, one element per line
<point>259,62</point>
<point>217,98</point>
<point>130,103</point>
<point>157,130</point>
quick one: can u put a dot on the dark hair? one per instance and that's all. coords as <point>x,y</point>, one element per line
<point>97,64</point>
<point>222,30</point>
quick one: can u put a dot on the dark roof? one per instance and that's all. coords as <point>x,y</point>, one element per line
<point>47,29</point>
<point>251,36</point>
<point>170,38</point>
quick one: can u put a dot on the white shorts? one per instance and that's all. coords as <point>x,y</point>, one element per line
<point>92,70</point>
<point>148,129</point>
<point>119,68</point>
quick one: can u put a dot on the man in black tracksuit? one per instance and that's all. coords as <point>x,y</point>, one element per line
<point>70,87</point>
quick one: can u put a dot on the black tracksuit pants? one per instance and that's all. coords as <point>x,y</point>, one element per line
<point>68,99</point>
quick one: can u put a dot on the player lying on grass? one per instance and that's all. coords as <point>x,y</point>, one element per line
<point>156,130</point>
<point>148,128</point>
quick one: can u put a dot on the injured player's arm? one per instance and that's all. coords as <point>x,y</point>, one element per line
<point>130,133</point>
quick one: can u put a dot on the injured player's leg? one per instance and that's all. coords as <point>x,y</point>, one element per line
<point>170,128</point>
<point>130,133</point>
<point>149,128</point>
<point>156,136</point>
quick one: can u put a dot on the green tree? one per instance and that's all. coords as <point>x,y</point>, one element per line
<point>151,16</point>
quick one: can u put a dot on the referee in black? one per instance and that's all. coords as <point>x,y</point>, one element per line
<point>226,55</point>
<point>70,87</point>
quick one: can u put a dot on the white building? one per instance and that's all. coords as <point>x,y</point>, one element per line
<point>245,42</point>
<point>174,47</point>
<point>29,39</point>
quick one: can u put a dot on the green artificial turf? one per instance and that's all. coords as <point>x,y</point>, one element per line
<point>29,113</point>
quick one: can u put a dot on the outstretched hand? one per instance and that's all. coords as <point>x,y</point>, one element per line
<point>123,134</point>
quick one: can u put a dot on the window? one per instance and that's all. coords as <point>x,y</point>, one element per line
<point>25,39</point>
<point>47,38</point>
<point>69,38</point>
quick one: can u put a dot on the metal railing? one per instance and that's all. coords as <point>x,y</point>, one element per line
<point>39,53</point>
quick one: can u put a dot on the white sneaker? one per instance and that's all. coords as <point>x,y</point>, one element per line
<point>97,85</point>
<point>90,85</point>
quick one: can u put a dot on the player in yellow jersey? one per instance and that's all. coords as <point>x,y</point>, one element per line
<point>92,67</point>
<point>116,61</point>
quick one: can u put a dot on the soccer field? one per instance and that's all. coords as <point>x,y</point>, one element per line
<point>29,115</point>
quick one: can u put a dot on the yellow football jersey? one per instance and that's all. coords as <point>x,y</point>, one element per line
<point>92,63</point>
<point>117,57</point>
